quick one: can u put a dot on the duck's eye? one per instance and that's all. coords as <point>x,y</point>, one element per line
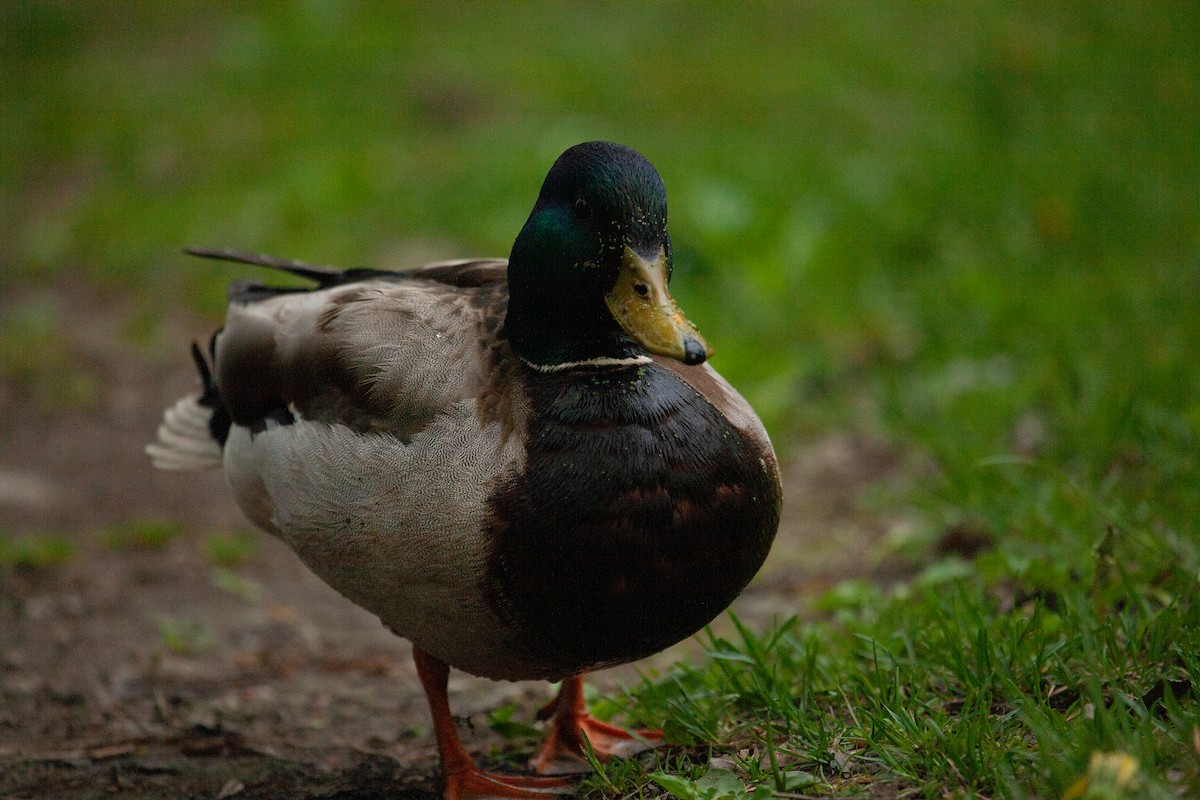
<point>582,209</point>
<point>642,289</point>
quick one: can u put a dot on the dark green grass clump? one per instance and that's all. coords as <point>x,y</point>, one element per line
<point>1005,681</point>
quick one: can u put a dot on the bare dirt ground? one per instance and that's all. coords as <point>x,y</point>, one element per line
<point>281,688</point>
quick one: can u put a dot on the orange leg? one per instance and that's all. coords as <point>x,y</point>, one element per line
<point>562,752</point>
<point>464,780</point>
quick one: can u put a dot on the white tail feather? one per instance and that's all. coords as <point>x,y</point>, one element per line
<point>184,440</point>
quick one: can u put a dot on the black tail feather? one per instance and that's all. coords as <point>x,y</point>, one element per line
<point>321,273</point>
<point>219,422</point>
<point>324,275</point>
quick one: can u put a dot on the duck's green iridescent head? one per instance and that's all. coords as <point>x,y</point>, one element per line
<point>588,273</point>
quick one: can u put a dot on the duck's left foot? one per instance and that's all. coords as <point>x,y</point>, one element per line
<point>472,783</point>
<point>562,752</point>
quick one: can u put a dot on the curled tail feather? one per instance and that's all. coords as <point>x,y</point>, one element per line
<point>184,440</point>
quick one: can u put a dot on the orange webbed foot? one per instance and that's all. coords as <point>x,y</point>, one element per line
<point>463,780</point>
<point>562,753</point>
<point>475,784</point>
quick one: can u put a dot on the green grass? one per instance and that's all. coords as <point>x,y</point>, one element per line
<point>141,534</point>
<point>35,355</point>
<point>229,549</point>
<point>1000,683</point>
<point>971,230</point>
<point>35,550</point>
<point>183,637</point>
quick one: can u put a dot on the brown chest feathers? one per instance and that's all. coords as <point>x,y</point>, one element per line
<point>641,516</point>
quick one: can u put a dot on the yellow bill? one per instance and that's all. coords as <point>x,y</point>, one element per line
<point>641,304</point>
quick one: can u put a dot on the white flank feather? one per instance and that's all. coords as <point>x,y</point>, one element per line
<point>184,441</point>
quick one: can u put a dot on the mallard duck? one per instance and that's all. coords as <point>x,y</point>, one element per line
<point>525,468</point>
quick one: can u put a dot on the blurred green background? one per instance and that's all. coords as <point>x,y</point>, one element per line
<point>927,220</point>
<point>970,230</point>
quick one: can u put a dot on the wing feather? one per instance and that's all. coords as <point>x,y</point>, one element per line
<point>384,353</point>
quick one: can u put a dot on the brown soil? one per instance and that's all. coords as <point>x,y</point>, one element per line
<point>276,687</point>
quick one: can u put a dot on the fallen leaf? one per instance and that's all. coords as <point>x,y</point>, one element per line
<point>232,786</point>
<point>110,751</point>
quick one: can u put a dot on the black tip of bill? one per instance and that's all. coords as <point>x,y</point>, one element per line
<point>694,351</point>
